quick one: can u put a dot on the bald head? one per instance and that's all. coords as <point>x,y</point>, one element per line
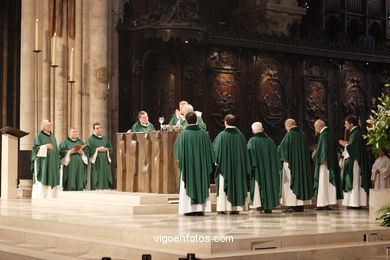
<point>257,127</point>
<point>319,125</point>
<point>289,123</point>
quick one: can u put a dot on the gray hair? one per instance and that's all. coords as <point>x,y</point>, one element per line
<point>44,122</point>
<point>290,122</point>
<point>257,127</point>
<point>320,123</point>
<point>188,108</point>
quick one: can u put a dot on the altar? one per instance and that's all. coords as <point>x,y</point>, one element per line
<point>146,162</point>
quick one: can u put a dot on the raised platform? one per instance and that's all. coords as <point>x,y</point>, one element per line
<point>52,230</point>
<point>133,203</point>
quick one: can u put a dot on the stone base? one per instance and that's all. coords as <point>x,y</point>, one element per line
<point>24,189</point>
<point>377,199</point>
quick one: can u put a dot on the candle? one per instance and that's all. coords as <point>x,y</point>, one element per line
<point>53,50</point>
<point>36,47</point>
<point>71,66</point>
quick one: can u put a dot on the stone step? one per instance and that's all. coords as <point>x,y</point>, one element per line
<point>111,196</point>
<point>89,246</point>
<point>17,250</point>
<point>55,242</point>
<point>341,251</point>
<point>104,206</point>
<point>132,235</point>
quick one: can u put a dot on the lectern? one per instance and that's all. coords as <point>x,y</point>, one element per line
<point>9,160</point>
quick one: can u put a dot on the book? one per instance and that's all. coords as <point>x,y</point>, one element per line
<point>78,147</point>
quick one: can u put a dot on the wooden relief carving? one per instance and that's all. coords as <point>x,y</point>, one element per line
<point>354,99</point>
<point>223,60</point>
<point>316,102</point>
<point>159,89</point>
<point>270,97</point>
<point>225,101</point>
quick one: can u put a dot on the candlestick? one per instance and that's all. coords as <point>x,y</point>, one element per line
<point>71,66</point>
<point>53,50</point>
<point>36,36</point>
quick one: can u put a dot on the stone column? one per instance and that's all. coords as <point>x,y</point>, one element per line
<point>95,50</point>
<point>27,89</point>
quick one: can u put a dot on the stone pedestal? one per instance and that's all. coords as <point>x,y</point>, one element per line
<point>9,166</point>
<point>24,189</point>
<point>377,199</point>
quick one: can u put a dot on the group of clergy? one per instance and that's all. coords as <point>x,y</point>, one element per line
<point>272,175</point>
<point>71,166</point>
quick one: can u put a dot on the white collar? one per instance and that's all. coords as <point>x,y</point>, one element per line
<point>47,132</point>
<point>74,140</point>
<point>352,128</point>
<point>323,129</point>
<point>192,124</point>
<point>143,124</point>
<point>98,136</point>
<point>230,126</point>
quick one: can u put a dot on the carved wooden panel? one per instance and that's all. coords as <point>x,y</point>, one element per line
<point>316,102</point>
<point>271,97</point>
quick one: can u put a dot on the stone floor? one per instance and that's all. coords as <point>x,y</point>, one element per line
<point>246,224</point>
<point>306,235</point>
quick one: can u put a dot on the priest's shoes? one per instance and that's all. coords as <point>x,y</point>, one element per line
<point>294,209</point>
<point>194,214</point>
<point>323,208</point>
<point>268,211</point>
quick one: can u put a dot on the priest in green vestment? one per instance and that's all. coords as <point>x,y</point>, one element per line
<point>74,162</point>
<point>233,168</point>
<point>327,180</point>
<point>194,152</point>
<point>356,177</point>
<point>45,163</point>
<point>295,170</point>
<point>178,118</point>
<point>99,151</point>
<point>143,124</point>
<point>265,185</point>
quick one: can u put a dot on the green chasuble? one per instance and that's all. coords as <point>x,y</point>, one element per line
<point>194,151</point>
<point>74,175</point>
<point>183,122</point>
<point>357,152</point>
<point>293,149</point>
<point>233,164</point>
<point>48,168</point>
<point>174,120</point>
<point>327,153</point>
<point>138,127</point>
<point>263,158</point>
<point>101,177</point>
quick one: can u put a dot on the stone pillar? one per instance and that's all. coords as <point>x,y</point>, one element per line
<point>27,89</point>
<point>95,50</point>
